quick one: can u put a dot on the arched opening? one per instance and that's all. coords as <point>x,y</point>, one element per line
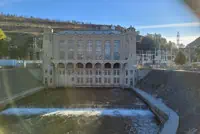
<point>88,65</point>
<point>79,65</point>
<point>97,65</point>
<point>70,65</point>
<point>61,65</point>
<point>116,66</point>
<point>107,65</point>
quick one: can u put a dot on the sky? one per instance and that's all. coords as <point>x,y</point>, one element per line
<point>165,17</point>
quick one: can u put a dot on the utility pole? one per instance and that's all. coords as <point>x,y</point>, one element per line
<point>178,39</point>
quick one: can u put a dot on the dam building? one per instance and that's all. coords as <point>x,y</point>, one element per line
<point>89,58</point>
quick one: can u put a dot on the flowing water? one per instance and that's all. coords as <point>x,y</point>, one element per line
<point>79,111</point>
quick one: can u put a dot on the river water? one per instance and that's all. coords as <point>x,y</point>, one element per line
<point>79,111</point>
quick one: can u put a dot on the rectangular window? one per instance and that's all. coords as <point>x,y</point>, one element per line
<point>99,80</point>
<point>114,72</point>
<point>96,80</point>
<point>97,72</point>
<point>105,80</point>
<point>50,80</point>
<point>118,80</point>
<point>80,50</point>
<point>80,55</point>
<point>89,46</point>
<point>72,78</point>
<point>87,72</point>
<point>51,72</point>
<point>118,72</point>
<point>126,72</point>
<point>108,80</point>
<point>116,49</point>
<point>70,49</point>
<point>81,80</point>
<point>78,80</point>
<point>62,55</point>
<point>90,80</point>
<point>108,72</point>
<point>89,50</point>
<point>90,72</point>
<point>69,72</point>
<point>62,44</point>
<point>114,80</point>
<point>45,80</point>
<point>107,49</point>
<point>131,81</point>
<point>126,80</point>
<point>98,50</point>
<point>105,72</point>
<point>131,72</point>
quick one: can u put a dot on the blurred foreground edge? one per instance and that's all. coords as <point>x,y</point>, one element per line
<point>194,6</point>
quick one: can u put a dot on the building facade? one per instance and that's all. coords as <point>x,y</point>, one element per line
<point>85,58</point>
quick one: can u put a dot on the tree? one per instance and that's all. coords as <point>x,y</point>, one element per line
<point>180,58</point>
<point>2,35</point>
<point>3,44</point>
<point>197,51</point>
<point>160,42</point>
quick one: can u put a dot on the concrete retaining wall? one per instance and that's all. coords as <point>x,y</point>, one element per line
<point>168,118</point>
<point>141,73</point>
<point>178,90</point>
<point>37,73</point>
<point>16,82</point>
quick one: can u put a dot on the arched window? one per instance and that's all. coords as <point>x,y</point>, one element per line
<point>97,65</point>
<point>107,65</point>
<point>89,65</point>
<point>116,66</point>
<point>79,65</point>
<point>61,65</point>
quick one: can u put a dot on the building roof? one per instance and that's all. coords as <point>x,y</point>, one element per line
<point>98,32</point>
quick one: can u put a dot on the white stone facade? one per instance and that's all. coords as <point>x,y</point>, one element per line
<point>103,58</point>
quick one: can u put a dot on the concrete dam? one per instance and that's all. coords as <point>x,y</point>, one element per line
<point>178,90</point>
<point>130,111</point>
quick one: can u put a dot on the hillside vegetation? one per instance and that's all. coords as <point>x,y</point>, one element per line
<point>20,32</point>
<point>13,23</point>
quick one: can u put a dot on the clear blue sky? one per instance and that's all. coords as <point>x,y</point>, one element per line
<point>148,16</point>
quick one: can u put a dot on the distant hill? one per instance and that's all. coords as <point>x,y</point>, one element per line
<point>13,23</point>
<point>194,44</point>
